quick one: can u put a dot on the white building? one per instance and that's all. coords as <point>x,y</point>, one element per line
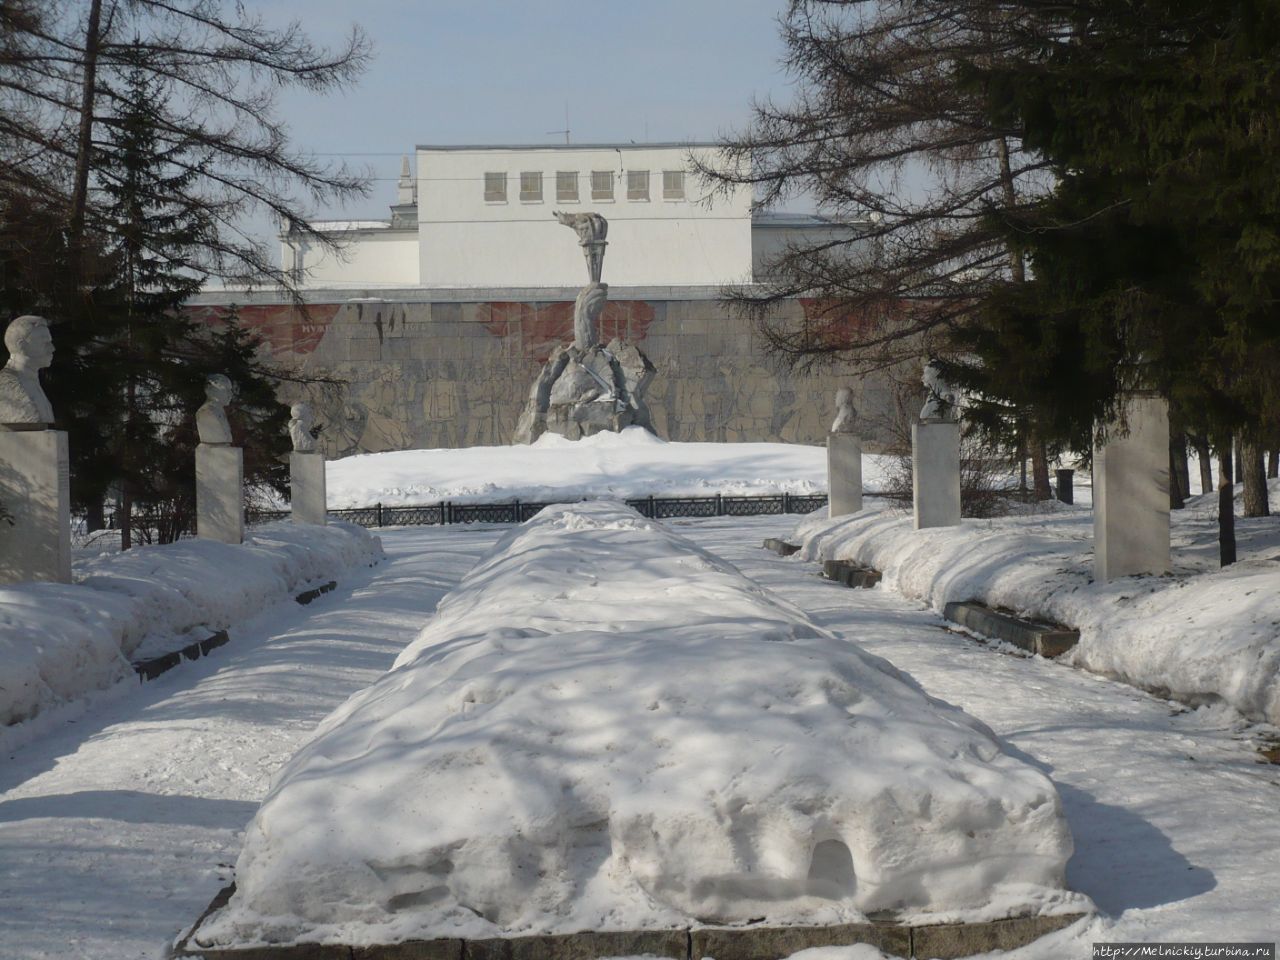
<point>481,217</point>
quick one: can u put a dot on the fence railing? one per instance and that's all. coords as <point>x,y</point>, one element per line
<point>517,511</point>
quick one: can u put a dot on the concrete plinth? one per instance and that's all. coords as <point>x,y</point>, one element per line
<point>307,501</point>
<point>1131,495</point>
<point>36,493</point>
<point>844,474</point>
<point>220,493</point>
<point>935,473</point>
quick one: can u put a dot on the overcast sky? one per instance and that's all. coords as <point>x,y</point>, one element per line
<point>503,71</point>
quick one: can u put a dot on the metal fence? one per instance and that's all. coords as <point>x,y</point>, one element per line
<point>516,511</point>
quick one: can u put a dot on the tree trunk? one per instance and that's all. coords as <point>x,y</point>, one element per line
<point>1273,464</point>
<point>1254,475</point>
<point>1225,474</point>
<point>84,136</point>
<point>95,516</point>
<point>1040,469</point>
<point>126,514</point>
<point>1204,458</point>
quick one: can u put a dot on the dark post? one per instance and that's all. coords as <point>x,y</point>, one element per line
<point>719,506</point>
<point>1066,490</point>
<point>377,515</point>
<point>652,512</point>
<point>519,513</point>
<point>786,502</point>
<point>1226,525</point>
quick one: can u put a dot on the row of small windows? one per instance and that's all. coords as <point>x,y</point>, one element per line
<point>495,186</point>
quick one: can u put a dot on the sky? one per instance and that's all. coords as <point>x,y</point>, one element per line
<point>505,71</point>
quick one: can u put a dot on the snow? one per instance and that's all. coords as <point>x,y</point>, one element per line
<point>58,642</point>
<point>607,727</point>
<point>633,463</point>
<point>1203,635</point>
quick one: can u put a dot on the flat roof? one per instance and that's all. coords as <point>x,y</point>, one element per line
<point>629,145</point>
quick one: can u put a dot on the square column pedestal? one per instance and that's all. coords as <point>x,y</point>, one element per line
<point>844,474</point>
<point>935,473</point>
<point>307,500</point>
<point>1131,495</point>
<point>35,490</point>
<point>220,492</point>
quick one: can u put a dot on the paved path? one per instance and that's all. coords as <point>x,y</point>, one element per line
<point>119,828</point>
<point>1177,825</point>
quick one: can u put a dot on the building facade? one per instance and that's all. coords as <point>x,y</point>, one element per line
<point>431,326</point>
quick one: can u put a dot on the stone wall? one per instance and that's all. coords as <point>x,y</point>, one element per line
<point>453,374</point>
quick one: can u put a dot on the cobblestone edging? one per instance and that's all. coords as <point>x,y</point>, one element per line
<point>939,941</point>
<point>781,547</point>
<point>153,667</point>
<point>1043,639</point>
<point>850,574</point>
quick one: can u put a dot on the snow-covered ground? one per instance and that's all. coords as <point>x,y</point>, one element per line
<point>59,641</point>
<point>633,463</point>
<point>1204,634</point>
<point>118,828</point>
<point>601,691</point>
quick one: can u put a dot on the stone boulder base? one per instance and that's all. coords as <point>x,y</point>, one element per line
<point>584,392</point>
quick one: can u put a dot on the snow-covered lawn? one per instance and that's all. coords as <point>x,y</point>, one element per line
<point>606,727</point>
<point>632,463</point>
<point>58,642</point>
<point>1204,634</point>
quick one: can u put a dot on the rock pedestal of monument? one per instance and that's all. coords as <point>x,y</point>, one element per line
<point>307,497</point>
<point>1131,495</point>
<point>844,474</point>
<point>220,492</point>
<point>35,490</point>
<point>935,473</point>
<point>583,392</point>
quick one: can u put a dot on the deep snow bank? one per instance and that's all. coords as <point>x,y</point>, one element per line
<point>59,641</point>
<point>606,727</point>
<point>1203,635</point>
<point>633,463</point>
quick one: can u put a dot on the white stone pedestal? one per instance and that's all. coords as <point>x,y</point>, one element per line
<point>935,473</point>
<point>1131,495</point>
<point>844,474</point>
<point>36,491</point>
<point>220,492</point>
<point>307,499</point>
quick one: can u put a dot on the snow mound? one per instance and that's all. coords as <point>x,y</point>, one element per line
<point>60,641</point>
<point>1204,635</point>
<point>606,727</point>
<point>631,463</point>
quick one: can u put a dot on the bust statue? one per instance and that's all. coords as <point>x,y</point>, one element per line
<point>300,428</point>
<point>211,418</point>
<point>940,399</point>
<point>846,417</point>
<point>23,405</point>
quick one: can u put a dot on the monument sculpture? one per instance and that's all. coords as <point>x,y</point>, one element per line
<point>35,488</point>
<point>586,388</point>
<point>844,459</point>
<point>935,453</point>
<point>301,423</point>
<point>211,418</point>
<point>219,467</point>
<point>23,405</point>
<point>308,497</point>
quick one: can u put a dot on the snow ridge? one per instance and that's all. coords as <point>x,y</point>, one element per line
<point>606,727</point>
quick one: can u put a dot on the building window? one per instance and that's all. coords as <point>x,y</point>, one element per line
<point>637,184</point>
<point>601,184</point>
<point>567,186</point>
<point>672,184</point>
<point>531,187</point>
<point>495,188</point>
